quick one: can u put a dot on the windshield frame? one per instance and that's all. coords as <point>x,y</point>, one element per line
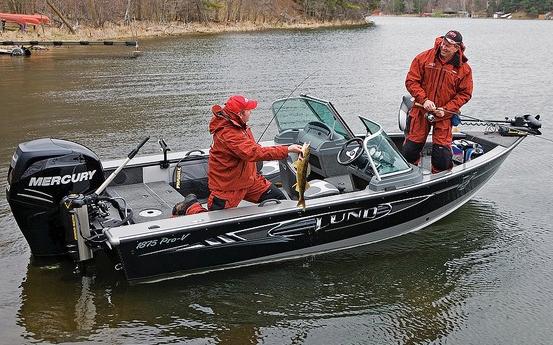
<point>374,130</point>
<point>276,109</point>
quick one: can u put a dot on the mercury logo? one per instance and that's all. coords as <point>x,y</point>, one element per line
<point>59,180</point>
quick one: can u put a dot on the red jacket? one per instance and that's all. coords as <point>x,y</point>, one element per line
<point>234,152</point>
<point>448,85</point>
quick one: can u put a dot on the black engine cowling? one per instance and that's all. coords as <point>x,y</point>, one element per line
<point>41,173</point>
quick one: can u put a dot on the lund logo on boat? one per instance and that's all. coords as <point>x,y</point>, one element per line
<point>59,180</point>
<point>351,217</point>
<point>466,181</point>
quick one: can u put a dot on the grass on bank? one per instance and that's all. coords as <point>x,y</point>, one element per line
<point>137,30</point>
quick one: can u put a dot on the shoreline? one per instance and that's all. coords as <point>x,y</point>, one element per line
<point>148,30</point>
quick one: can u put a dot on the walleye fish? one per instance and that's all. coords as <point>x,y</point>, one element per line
<point>302,171</point>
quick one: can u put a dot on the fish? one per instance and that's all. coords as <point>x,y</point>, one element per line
<point>302,171</point>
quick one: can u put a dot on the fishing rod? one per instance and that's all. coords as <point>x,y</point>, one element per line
<point>532,122</point>
<point>527,124</point>
<point>286,99</point>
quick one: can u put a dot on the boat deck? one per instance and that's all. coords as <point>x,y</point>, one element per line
<point>150,201</point>
<point>153,200</point>
<point>491,140</point>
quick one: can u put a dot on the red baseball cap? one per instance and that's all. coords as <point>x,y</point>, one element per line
<point>238,103</point>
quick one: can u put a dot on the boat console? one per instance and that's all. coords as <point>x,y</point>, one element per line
<point>376,160</point>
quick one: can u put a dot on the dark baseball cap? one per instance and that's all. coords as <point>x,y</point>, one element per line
<point>454,37</point>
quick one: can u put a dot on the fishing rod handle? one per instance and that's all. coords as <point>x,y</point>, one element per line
<point>135,150</point>
<point>442,109</point>
<point>111,177</point>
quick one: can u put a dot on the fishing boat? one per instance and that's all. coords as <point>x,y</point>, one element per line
<point>68,203</point>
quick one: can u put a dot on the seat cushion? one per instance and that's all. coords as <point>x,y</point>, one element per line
<point>320,188</point>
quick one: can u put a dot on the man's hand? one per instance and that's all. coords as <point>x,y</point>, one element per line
<point>294,148</point>
<point>439,112</point>
<point>429,105</point>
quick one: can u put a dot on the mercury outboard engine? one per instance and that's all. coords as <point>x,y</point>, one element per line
<point>41,173</point>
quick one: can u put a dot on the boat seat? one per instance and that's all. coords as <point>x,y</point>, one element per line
<point>271,171</point>
<point>344,183</point>
<point>193,171</point>
<point>192,175</point>
<point>320,188</point>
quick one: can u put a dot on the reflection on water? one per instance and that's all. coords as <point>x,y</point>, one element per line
<point>406,290</point>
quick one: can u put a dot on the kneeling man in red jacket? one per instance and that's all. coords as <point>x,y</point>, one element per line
<point>232,171</point>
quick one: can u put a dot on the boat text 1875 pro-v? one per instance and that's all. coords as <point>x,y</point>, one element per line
<point>68,203</point>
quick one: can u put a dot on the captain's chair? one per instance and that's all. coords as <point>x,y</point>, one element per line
<point>317,188</point>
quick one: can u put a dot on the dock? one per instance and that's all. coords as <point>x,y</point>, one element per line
<point>21,48</point>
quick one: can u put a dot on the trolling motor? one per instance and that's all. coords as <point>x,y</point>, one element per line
<point>526,123</point>
<point>527,120</point>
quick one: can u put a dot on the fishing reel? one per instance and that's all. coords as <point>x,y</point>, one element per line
<point>430,117</point>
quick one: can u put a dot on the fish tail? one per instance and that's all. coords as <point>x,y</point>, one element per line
<point>301,203</point>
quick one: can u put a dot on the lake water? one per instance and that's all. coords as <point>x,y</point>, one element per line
<point>483,275</point>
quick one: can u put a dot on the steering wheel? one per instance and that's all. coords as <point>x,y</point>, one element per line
<point>350,151</point>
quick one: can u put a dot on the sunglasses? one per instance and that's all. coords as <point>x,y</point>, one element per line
<point>446,43</point>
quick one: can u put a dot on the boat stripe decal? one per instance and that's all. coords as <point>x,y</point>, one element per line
<point>35,197</point>
<point>425,197</point>
<point>225,239</point>
<point>191,247</point>
<point>418,198</point>
<point>233,235</point>
<point>36,191</point>
<point>166,250</point>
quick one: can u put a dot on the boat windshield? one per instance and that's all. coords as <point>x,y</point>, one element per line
<point>296,113</point>
<point>384,155</point>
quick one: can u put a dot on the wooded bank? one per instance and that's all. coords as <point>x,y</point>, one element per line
<point>97,13</point>
<point>110,19</point>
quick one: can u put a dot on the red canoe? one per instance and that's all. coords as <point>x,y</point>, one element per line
<point>29,19</point>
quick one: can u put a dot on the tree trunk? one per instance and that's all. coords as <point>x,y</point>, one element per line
<point>93,13</point>
<point>127,13</point>
<point>201,14</point>
<point>239,14</point>
<point>58,13</point>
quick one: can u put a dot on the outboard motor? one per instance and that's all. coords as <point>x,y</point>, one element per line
<point>41,173</point>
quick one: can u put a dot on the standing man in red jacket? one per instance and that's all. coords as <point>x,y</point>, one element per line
<point>441,80</point>
<point>232,172</point>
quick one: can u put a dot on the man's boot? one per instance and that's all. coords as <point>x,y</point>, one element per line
<point>180,208</point>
